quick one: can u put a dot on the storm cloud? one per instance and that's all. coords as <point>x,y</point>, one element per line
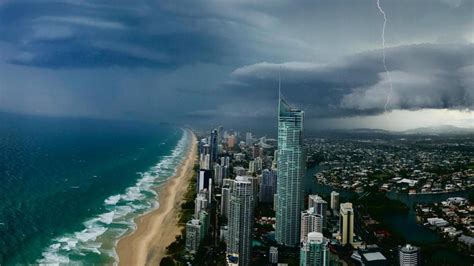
<point>423,76</point>
<point>213,61</point>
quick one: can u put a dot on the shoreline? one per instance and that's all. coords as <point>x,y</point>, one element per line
<point>147,243</point>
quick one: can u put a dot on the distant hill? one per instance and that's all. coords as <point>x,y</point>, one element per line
<point>440,130</point>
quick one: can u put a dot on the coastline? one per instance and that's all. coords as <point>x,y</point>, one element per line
<point>147,243</point>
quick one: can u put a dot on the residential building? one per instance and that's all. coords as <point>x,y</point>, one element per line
<point>241,220</point>
<point>409,255</point>
<point>310,222</point>
<point>346,223</point>
<point>314,251</point>
<point>291,171</point>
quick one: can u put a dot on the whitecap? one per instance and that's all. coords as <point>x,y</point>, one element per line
<point>112,200</point>
<point>107,218</point>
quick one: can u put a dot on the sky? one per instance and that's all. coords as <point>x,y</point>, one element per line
<point>211,62</point>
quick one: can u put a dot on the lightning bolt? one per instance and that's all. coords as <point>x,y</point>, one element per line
<point>389,96</point>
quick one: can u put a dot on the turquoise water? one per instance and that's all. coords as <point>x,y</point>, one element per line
<point>71,187</point>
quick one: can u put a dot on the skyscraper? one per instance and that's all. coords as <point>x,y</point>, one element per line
<point>268,186</point>
<point>214,146</point>
<point>225,201</point>
<point>314,251</point>
<point>320,206</point>
<point>310,222</point>
<point>334,201</point>
<point>200,203</point>
<point>241,219</point>
<point>204,180</point>
<point>218,174</point>
<point>346,223</point>
<point>409,255</point>
<point>193,235</point>
<point>291,166</point>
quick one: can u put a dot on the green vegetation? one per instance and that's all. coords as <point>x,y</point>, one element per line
<point>377,204</point>
<point>314,160</point>
<point>176,250</point>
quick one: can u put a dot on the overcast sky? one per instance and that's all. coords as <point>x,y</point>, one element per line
<point>209,62</point>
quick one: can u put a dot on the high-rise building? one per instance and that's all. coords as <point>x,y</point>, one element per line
<point>248,138</point>
<point>204,180</point>
<point>225,200</point>
<point>409,255</point>
<point>267,186</point>
<point>273,255</point>
<point>204,161</point>
<point>252,168</point>
<point>241,219</point>
<point>258,164</point>
<point>310,222</point>
<point>314,251</point>
<point>275,160</point>
<point>291,170</point>
<point>218,174</point>
<point>257,151</point>
<point>200,203</point>
<point>206,164</point>
<point>204,220</point>
<point>225,161</point>
<point>320,206</point>
<point>334,201</point>
<point>214,146</point>
<point>346,223</point>
<point>193,235</point>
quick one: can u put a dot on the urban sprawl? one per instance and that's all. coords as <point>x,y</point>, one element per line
<point>249,203</point>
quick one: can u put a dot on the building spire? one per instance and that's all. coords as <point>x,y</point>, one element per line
<point>279,83</point>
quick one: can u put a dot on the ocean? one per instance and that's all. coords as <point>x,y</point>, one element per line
<point>71,187</point>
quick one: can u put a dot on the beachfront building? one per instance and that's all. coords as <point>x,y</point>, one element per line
<point>409,255</point>
<point>204,181</point>
<point>320,206</point>
<point>204,219</point>
<point>241,219</point>
<point>193,235</point>
<point>201,203</point>
<point>291,170</point>
<point>314,250</point>
<point>267,186</point>
<point>310,222</point>
<point>334,201</point>
<point>346,223</point>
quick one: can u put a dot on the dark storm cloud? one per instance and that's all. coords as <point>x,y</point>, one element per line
<point>198,60</point>
<point>80,34</point>
<point>423,76</point>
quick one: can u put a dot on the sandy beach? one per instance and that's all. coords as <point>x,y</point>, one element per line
<point>158,229</point>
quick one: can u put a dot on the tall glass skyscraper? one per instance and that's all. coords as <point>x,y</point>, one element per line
<point>291,167</point>
<point>241,219</point>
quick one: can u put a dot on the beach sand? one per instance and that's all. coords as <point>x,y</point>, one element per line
<point>156,230</point>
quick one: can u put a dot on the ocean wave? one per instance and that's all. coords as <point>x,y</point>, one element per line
<point>100,233</point>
